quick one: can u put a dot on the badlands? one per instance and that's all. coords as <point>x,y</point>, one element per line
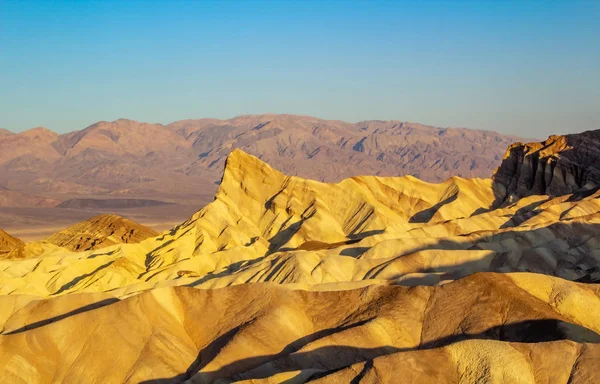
<point>283,279</point>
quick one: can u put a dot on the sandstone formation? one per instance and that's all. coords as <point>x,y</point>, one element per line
<point>9,243</point>
<point>483,328</point>
<point>100,231</point>
<point>558,166</point>
<point>284,279</point>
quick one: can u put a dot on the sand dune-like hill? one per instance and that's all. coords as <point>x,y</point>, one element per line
<point>286,279</point>
<point>9,243</point>
<point>100,231</point>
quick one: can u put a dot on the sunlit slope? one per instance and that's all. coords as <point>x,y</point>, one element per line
<point>481,328</point>
<point>97,232</point>
<point>282,279</point>
<point>264,226</point>
<point>100,231</point>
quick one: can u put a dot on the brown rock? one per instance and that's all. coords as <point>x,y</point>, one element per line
<point>558,166</point>
<point>9,243</point>
<point>100,231</point>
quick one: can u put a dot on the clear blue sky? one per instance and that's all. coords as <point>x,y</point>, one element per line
<point>525,67</point>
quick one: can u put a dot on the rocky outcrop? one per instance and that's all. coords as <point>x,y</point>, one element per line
<point>9,243</point>
<point>557,166</point>
<point>100,231</point>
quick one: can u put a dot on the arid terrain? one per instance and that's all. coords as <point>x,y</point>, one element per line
<point>159,175</point>
<point>286,279</point>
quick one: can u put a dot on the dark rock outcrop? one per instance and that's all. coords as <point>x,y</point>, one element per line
<point>557,166</point>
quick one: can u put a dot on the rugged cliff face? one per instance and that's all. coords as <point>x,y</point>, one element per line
<point>558,166</point>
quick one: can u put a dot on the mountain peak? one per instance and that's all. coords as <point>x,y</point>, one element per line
<point>247,173</point>
<point>119,123</point>
<point>39,132</point>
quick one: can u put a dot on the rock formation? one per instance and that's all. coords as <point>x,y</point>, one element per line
<point>558,166</point>
<point>283,279</point>
<point>100,231</point>
<point>9,243</point>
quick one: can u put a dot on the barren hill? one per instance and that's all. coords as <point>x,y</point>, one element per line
<point>285,279</point>
<point>100,231</point>
<point>9,243</point>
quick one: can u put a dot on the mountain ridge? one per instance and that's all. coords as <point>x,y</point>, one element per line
<point>167,160</point>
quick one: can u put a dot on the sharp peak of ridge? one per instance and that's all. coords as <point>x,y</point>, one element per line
<point>241,165</point>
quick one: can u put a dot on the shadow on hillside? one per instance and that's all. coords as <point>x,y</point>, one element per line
<point>517,248</point>
<point>70,284</point>
<point>577,234</point>
<point>231,268</point>
<point>85,308</point>
<point>523,214</point>
<point>284,235</point>
<point>426,215</point>
<point>326,359</point>
<point>531,255</point>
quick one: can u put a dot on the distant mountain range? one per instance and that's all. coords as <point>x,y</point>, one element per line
<point>183,161</point>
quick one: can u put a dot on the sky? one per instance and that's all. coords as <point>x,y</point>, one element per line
<point>530,68</point>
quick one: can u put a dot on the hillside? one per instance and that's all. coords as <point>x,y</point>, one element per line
<point>285,279</point>
<point>100,231</point>
<point>9,243</point>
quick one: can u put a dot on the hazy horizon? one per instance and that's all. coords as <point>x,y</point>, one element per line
<point>524,68</point>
